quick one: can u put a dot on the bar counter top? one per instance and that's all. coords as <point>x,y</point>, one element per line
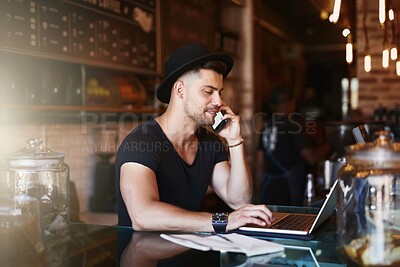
<point>99,245</point>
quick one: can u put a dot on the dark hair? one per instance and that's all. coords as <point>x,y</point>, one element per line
<point>281,94</point>
<point>217,66</point>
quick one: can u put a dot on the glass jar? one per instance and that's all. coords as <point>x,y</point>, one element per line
<point>368,217</point>
<point>38,172</point>
<point>20,231</point>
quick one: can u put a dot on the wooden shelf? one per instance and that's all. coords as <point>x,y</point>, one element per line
<point>133,109</point>
<point>47,114</point>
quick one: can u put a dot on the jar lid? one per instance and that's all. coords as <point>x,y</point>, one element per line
<point>383,152</point>
<point>35,154</point>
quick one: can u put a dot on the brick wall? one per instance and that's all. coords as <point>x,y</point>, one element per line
<point>380,86</point>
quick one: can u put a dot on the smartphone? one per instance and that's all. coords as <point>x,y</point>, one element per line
<point>219,123</point>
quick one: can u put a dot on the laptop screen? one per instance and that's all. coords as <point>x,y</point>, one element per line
<point>328,207</point>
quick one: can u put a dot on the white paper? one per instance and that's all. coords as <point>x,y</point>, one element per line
<point>234,243</point>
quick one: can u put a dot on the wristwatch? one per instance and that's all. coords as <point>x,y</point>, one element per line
<point>219,221</point>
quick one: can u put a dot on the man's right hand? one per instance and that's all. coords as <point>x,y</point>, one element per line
<point>249,214</point>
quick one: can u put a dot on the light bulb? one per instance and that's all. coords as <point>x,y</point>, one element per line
<point>393,53</point>
<point>336,12</point>
<point>382,11</point>
<point>398,68</point>
<point>367,63</point>
<point>345,32</point>
<point>349,52</point>
<point>385,58</point>
<point>345,84</point>
<point>324,14</point>
<point>391,14</point>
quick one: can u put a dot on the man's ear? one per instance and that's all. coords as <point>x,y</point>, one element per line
<point>178,89</point>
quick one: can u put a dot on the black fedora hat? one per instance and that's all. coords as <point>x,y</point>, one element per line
<point>185,59</point>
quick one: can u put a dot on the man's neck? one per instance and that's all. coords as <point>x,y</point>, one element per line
<point>179,129</point>
<point>181,134</point>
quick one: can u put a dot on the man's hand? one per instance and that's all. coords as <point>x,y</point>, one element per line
<point>249,214</point>
<point>231,132</point>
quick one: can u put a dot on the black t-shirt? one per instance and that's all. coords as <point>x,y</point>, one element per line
<point>284,137</point>
<point>282,140</point>
<point>179,183</point>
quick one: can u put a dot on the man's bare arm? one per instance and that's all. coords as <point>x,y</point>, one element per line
<point>140,193</point>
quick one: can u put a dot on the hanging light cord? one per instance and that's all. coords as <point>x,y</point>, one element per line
<point>364,23</point>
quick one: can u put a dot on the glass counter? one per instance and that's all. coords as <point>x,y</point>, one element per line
<point>97,245</point>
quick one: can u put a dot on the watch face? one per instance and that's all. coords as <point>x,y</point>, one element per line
<point>219,221</point>
<point>219,217</point>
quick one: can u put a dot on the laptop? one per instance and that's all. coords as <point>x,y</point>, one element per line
<point>296,224</point>
<point>361,134</point>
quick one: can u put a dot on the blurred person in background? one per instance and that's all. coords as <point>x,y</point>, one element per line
<point>285,151</point>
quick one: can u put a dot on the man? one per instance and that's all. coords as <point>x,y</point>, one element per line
<point>165,166</point>
<point>284,151</point>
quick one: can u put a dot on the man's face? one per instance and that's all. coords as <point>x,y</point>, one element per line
<point>202,97</point>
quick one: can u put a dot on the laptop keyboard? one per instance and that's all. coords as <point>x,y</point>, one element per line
<point>299,222</point>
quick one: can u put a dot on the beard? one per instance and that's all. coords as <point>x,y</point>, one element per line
<point>197,114</point>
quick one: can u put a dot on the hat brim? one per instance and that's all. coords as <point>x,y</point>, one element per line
<point>163,91</point>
